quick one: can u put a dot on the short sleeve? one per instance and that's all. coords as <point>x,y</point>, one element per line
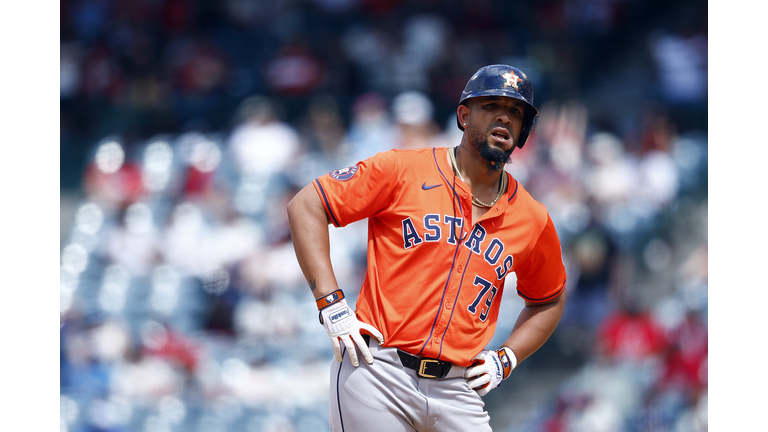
<point>360,191</point>
<point>542,276</point>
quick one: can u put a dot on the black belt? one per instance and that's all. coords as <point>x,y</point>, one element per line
<point>424,367</point>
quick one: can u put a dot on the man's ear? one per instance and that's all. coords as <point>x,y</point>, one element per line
<point>462,113</point>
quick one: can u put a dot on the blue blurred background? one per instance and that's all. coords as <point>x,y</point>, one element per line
<point>187,125</point>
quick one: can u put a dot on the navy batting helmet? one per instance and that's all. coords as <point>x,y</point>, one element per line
<point>503,80</point>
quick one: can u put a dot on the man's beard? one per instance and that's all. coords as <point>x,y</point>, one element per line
<point>495,157</point>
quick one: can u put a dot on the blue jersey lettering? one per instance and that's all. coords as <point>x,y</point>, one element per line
<point>430,223</point>
<point>410,236</point>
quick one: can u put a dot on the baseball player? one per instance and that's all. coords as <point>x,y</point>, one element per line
<point>446,226</point>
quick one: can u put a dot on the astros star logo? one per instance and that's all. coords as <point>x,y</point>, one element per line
<point>511,80</point>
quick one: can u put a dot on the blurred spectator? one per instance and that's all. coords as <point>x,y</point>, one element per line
<point>101,76</point>
<point>685,363</point>
<point>631,335</point>
<point>200,67</point>
<point>69,71</point>
<point>682,65</point>
<point>562,129</point>
<point>595,257</point>
<point>261,144</point>
<point>135,243</point>
<point>599,415</point>
<point>146,379</point>
<point>612,176</point>
<point>186,243</point>
<point>295,70</point>
<point>161,340</point>
<point>416,128</point>
<point>262,147</point>
<point>202,157</point>
<point>324,142</point>
<point>554,166</point>
<point>656,169</point>
<point>112,179</point>
<point>423,39</point>
<point>371,129</point>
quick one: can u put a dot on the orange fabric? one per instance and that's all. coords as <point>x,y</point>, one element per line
<point>428,292</point>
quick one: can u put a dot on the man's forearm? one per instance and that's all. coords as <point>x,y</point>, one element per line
<point>534,326</point>
<point>309,232</point>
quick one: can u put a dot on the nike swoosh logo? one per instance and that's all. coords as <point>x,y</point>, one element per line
<point>425,187</point>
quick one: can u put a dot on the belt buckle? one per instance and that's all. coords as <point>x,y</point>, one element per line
<point>423,366</point>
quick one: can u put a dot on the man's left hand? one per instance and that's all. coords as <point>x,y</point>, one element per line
<point>489,369</point>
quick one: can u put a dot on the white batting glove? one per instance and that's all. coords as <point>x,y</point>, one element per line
<point>342,324</point>
<point>489,369</point>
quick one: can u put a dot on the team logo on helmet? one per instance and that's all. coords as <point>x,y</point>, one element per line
<point>343,174</point>
<point>511,79</point>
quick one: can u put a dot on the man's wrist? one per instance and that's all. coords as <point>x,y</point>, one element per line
<point>508,360</point>
<point>329,299</point>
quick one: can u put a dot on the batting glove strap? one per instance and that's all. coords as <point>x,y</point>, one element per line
<point>508,360</point>
<point>329,299</point>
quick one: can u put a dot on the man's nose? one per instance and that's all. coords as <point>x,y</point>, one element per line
<point>503,117</point>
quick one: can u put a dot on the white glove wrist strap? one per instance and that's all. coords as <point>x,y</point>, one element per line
<point>508,360</point>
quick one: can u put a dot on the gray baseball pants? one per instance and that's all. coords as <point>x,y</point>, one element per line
<point>387,397</point>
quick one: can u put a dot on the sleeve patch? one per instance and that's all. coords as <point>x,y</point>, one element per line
<point>343,174</point>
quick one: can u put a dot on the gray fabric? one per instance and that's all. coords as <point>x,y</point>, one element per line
<point>386,397</point>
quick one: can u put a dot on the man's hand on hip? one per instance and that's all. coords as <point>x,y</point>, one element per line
<point>342,325</point>
<point>489,369</point>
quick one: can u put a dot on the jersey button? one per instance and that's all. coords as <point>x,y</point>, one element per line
<point>437,340</point>
<point>466,196</point>
<point>459,268</point>
<point>448,305</point>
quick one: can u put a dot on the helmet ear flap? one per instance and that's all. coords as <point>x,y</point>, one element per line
<point>525,131</point>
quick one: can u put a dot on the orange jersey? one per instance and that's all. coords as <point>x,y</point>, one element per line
<point>435,277</point>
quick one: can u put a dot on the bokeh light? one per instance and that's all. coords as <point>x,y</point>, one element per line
<point>205,156</point>
<point>250,195</point>
<point>89,218</point>
<point>66,297</point>
<point>68,284</point>
<point>114,288</point>
<point>157,423</point>
<point>69,410</point>
<point>110,157</point>
<point>158,164</point>
<point>138,218</point>
<point>166,282</point>
<point>216,280</point>
<point>234,372</point>
<point>172,410</point>
<point>106,414</point>
<point>74,259</point>
<point>187,217</point>
<point>153,335</point>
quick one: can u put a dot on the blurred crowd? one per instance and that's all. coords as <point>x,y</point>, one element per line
<point>182,305</point>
